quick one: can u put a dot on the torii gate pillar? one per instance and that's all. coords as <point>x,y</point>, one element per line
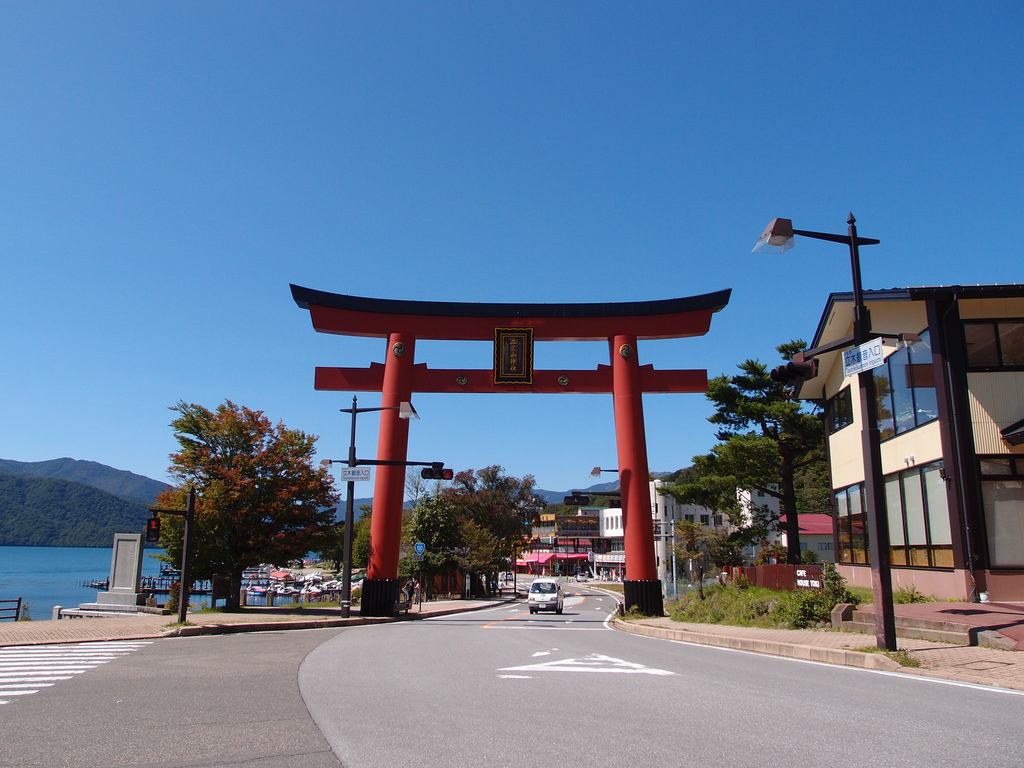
<point>380,588</point>
<point>641,586</point>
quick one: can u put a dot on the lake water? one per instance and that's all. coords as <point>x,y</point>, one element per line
<point>49,576</point>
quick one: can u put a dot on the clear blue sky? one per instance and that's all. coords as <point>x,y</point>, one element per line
<point>166,170</point>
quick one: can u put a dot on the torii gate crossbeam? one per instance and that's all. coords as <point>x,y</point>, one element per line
<point>403,322</point>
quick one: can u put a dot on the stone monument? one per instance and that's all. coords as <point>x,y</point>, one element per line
<point>122,595</point>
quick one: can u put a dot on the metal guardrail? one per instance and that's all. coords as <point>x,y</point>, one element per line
<point>10,609</point>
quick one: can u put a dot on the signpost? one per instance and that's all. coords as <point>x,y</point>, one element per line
<point>419,548</point>
<point>355,474</point>
<point>863,358</point>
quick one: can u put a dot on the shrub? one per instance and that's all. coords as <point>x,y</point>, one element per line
<point>172,596</point>
<point>757,606</point>
<point>810,606</point>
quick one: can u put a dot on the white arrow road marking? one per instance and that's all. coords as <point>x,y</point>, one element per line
<point>595,662</point>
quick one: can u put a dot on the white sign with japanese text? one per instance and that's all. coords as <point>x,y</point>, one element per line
<point>863,358</point>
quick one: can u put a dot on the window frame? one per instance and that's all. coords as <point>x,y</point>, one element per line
<point>998,339</point>
<point>840,410</point>
<point>991,472</point>
<point>937,556</point>
<point>890,391</point>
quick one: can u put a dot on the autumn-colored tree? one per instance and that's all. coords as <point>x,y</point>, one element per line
<point>497,504</point>
<point>475,523</point>
<point>261,499</point>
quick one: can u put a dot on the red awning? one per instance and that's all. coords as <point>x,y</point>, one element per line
<point>535,557</point>
<point>544,557</point>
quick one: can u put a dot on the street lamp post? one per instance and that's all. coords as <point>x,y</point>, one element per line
<point>405,411</point>
<point>779,235</point>
<point>596,472</point>
<point>661,535</point>
<point>185,575</point>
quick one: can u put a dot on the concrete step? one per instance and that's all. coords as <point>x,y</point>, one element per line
<point>845,616</point>
<point>960,636</point>
<point>103,609</point>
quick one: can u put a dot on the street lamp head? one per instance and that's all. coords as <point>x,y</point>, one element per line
<point>595,472</point>
<point>326,463</point>
<point>778,237</point>
<point>406,411</point>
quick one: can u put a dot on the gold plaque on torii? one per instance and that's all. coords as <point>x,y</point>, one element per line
<point>513,355</point>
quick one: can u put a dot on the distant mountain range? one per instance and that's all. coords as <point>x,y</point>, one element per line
<point>117,482</point>
<point>73,503</point>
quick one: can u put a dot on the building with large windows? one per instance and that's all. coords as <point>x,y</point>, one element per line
<point>950,410</point>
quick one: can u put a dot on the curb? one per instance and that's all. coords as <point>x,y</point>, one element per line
<point>838,656</point>
<point>197,630</point>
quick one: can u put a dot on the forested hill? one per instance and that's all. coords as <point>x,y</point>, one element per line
<point>119,482</point>
<point>48,512</point>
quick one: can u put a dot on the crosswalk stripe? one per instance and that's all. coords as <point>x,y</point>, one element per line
<point>25,670</point>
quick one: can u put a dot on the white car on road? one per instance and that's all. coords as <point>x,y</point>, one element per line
<point>546,595</point>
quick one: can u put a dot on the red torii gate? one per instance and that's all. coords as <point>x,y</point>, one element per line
<point>512,327</point>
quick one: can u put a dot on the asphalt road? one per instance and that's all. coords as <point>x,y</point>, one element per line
<point>491,688</point>
<point>504,688</point>
<point>222,700</point>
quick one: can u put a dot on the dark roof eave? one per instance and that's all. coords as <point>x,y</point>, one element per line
<point>306,296</point>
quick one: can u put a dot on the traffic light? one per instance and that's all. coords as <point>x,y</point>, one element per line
<point>153,529</point>
<point>576,500</point>
<point>437,471</point>
<point>795,371</point>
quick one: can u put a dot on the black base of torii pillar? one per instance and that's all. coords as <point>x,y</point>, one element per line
<point>644,596</point>
<point>379,597</point>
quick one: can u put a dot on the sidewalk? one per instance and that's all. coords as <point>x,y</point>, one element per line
<point>960,662</point>
<point>251,619</point>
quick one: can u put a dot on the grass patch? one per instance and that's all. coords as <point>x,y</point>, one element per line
<point>862,595</point>
<point>745,606</point>
<point>910,595</point>
<point>903,658</point>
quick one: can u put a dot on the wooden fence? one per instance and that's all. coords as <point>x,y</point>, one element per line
<point>783,577</point>
<point>10,609</point>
